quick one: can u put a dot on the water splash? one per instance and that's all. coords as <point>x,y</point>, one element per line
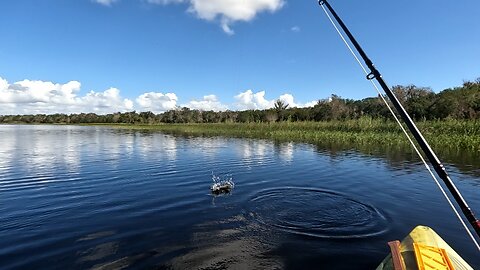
<point>222,184</point>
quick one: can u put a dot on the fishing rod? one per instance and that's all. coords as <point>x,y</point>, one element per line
<point>432,157</point>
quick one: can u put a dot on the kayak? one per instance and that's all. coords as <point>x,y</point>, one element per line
<point>422,249</point>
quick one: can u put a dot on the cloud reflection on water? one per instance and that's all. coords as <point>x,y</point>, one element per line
<point>38,148</point>
<point>286,151</point>
<point>260,151</point>
<point>155,145</point>
<point>7,152</point>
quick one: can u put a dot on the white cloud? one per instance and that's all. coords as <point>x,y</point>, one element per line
<point>233,10</point>
<point>257,101</point>
<point>227,12</point>
<point>3,85</point>
<point>226,28</point>
<point>44,97</point>
<point>27,91</point>
<point>295,29</point>
<point>249,100</point>
<point>105,2</point>
<point>288,99</point>
<point>105,102</point>
<point>208,103</point>
<point>157,102</point>
<point>309,104</point>
<point>33,97</point>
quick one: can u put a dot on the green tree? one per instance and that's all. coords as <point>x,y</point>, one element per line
<point>280,107</point>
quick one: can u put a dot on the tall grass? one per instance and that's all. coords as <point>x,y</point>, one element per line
<point>364,131</point>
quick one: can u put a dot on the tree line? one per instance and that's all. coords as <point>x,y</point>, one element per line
<point>422,104</point>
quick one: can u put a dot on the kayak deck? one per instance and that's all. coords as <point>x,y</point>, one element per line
<point>425,236</point>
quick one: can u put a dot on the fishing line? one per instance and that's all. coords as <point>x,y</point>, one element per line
<point>404,131</point>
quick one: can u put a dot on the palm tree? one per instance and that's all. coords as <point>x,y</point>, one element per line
<point>280,105</point>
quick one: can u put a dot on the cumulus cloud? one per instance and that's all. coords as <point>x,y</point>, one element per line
<point>309,104</point>
<point>44,97</point>
<point>208,103</point>
<point>289,99</point>
<point>105,2</point>
<point>105,102</point>
<point>226,12</point>
<point>33,97</point>
<point>157,102</point>
<point>249,100</point>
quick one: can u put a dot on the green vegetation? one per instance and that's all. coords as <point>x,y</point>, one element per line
<point>459,134</point>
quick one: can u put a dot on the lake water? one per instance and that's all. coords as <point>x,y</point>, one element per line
<point>95,197</point>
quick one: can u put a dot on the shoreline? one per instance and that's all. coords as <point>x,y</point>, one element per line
<point>461,135</point>
<point>440,134</point>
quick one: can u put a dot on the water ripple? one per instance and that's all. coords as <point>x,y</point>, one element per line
<point>317,212</point>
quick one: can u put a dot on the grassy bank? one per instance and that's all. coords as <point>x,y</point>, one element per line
<point>365,131</point>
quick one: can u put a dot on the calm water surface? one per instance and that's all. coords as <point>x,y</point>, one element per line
<point>95,197</point>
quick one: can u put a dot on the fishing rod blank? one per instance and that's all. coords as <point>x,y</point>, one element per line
<point>432,157</point>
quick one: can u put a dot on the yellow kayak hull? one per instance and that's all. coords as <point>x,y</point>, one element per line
<point>424,236</point>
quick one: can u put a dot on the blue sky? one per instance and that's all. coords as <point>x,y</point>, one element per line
<point>105,56</point>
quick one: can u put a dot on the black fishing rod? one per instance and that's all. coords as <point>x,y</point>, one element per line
<point>432,157</point>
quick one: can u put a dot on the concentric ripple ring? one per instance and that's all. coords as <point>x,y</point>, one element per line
<point>317,213</point>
